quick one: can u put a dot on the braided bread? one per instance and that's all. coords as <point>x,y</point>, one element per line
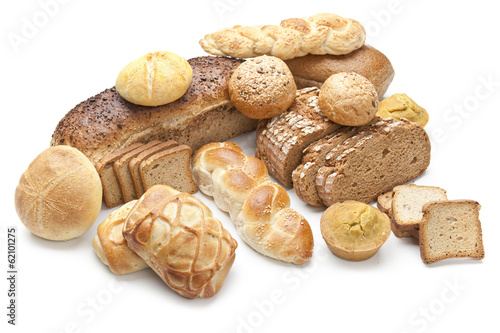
<point>180,239</point>
<point>319,34</point>
<point>241,186</point>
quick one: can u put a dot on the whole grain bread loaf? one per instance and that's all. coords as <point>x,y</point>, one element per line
<point>107,122</point>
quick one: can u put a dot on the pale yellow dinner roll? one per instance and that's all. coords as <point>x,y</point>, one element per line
<point>401,106</point>
<point>262,87</point>
<point>59,196</point>
<point>155,79</point>
<point>348,99</point>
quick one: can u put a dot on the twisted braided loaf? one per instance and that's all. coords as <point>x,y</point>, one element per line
<point>241,185</point>
<point>319,34</point>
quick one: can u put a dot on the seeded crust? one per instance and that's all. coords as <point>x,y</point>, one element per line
<point>304,176</point>
<point>390,156</point>
<point>451,229</point>
<point>282,139</point>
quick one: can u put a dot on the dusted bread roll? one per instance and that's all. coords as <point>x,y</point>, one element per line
<point>59,196</point>
<point>259,207</point>
<point>112,248</point>
<point>180,239</point>
<point>154,79</point>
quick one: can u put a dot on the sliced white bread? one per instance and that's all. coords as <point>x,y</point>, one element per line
<point>407,203</point>
<point>451,229</point>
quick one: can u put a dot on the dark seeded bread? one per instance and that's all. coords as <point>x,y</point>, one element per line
<point>451,229</point>
<point>282,139</point>
<point>170,167</point>
<point>391,156</point>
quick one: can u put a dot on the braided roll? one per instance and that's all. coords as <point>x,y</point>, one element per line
<point>180,239</point>
<point>319,34</point>
<point>241,186</point>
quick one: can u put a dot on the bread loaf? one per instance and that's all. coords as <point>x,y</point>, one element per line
<point>313,70</point>
<point>260,209</point>
<point>181,240</point>
<point>319,34</point>
<point>107,122</point>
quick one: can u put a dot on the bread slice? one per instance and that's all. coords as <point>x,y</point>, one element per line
<point>384,203</point>
<point>110,187</point>
<point>391,156</point>
<point>407,203</point>
<point>123,174</point>
<point>451,229</point>
<point>282,139</point>
<point>170,167</point>
<point>134,164</point>
<point>304,176</point>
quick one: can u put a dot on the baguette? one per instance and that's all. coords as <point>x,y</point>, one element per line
<point>107,122</point>
<point>259,207</point>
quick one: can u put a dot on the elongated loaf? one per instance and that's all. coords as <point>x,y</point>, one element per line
<point>259,207</point>
<point>319,34</point>
<point>181,240</point>
<point>107,122</point>
<point>313,70</point>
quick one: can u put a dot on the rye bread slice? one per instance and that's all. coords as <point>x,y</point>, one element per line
<point>304,176</point>
<point>451,229</point>
<point>407,203</point>
<point>170,167</point>
<point>391,156</point>
<point>123,174</point>
<point>282,139</point>
<point>111,191</point>
<point>134,164</point>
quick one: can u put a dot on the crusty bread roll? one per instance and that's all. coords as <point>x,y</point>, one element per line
<point>181,240</point>
<point>112,248</point>
<point>262,87</point>
<point>259,207</point>
<point>59,196</point>
<point>154,79</point>
<point>107,122</point>
<point>319,34</point>
<point>313,70</point>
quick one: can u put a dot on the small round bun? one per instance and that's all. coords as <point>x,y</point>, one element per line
<point>354,230</point>
<point>348,99</point>
<point>155,79</point>
<point>262,87</point>
<point>401,106</point>
<point>59,196</point>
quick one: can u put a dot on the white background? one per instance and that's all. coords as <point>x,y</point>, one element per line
<point>445,55</point>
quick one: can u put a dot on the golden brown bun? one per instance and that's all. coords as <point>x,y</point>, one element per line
<point>348,99</point>
<point>401,106</point>
<point>154,79</point>
<point>313,70</point>
<point>262,87</point>
<point>354,230</point>
<point>59,196</point>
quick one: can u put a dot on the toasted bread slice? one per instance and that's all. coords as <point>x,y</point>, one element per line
<point>451,229</point>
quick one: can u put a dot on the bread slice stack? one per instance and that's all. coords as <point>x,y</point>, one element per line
<point>128,172</point>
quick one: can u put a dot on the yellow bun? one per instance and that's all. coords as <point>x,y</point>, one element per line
<point>354,230</point>
<point>401,106</point>
<point>154,79</point>
<point>59,196</point>
<point>262,87</point>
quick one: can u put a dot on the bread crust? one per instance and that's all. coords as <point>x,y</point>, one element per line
<point>107,122</point>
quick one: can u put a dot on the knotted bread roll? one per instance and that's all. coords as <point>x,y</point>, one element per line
<point>180,239</point>
<point>319,34</point>
<point>241,185</point>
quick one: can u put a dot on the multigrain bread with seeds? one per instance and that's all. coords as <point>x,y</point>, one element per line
<point>407,203</point>
<point>313,70</point>
<point>121,168</point>
<point>170,167</point>
<point>107,122</point>
<point>110,187</point>
<point>391,156</point>
<point>135,163</point>
<point>282,139</point>
<point>451,229</point>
